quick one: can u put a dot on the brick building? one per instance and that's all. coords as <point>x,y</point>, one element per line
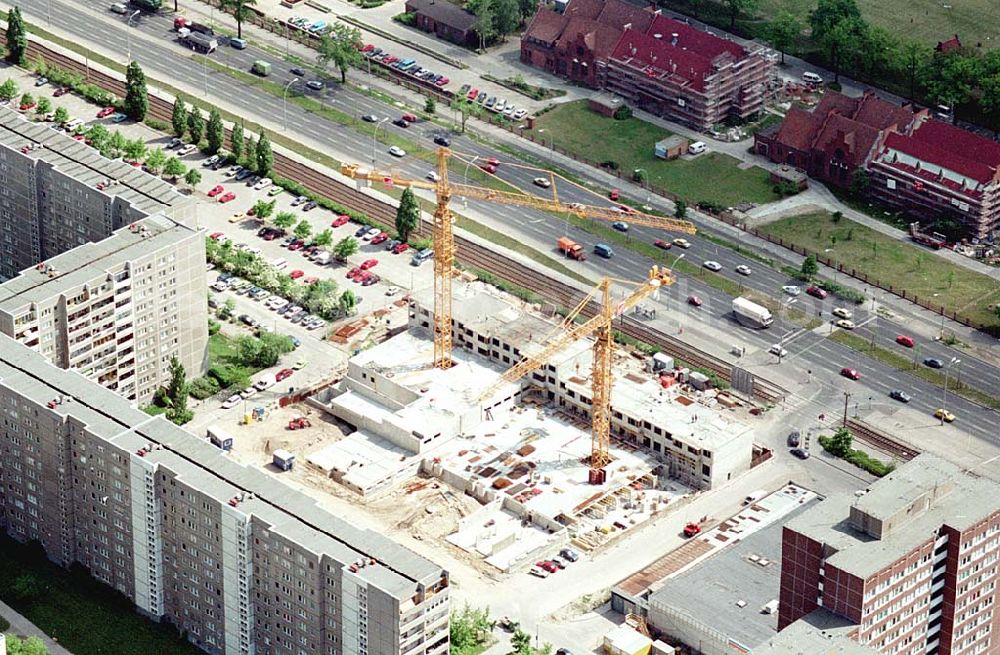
<point>660,64</point>
<point>916,163</point>
<point>446,20</point>
<point>910,563</point>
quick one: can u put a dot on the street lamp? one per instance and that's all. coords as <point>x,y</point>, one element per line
<point>375,142</point>
<point>284,103</point>
<point>955,361</point>
<point>128,33</point>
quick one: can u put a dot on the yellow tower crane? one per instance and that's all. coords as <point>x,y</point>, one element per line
<point>602,380</point>
<point>444,242</point>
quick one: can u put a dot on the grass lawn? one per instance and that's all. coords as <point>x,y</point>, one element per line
<point>919,271</point>
<point>713,176</point>
<point>83,614</point>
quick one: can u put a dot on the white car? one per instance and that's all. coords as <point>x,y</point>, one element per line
<point>263,184</point>
<point>791,289</point>
<point>842,313</point>
<point>543,182</point>
<point>697,148</point>
<point>276,303</point>
<point>845,324</point>
<point>520,113</point>
<point>433,177</point>
<point>743,269</point>
<point>249,392</point>
<point>396,151</point>
<point>371,233</point>
<point>712,265</point>
<point>232,401</point>
<point>538,571</point>
<point>187,150</point>
<point>776,349</point>
<point>392,291</point>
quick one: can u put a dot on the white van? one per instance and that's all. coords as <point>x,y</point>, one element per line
<point>812,78</point>
<point>697,148</point>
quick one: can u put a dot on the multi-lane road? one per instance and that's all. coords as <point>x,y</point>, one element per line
<point>151,41</point>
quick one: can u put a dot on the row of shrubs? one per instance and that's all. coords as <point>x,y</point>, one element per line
<point>859,458</point>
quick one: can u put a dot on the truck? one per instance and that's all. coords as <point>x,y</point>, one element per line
<point>571,249</point>
<point>283,459</point>
<point>196,40</point>
<point>148,5</point>
<point>933,240</point>
<point>261,68</point>
<point>323,258</point>
<point>751,314</point>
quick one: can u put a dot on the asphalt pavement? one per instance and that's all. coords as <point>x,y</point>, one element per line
<point>151,40</point>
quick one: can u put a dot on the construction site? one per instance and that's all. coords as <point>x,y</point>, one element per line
<point>521,447</point>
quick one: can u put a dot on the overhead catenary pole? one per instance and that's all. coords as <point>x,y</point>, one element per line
<point>847,398</point>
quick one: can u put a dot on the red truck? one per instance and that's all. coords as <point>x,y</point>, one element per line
<point>571,248</point>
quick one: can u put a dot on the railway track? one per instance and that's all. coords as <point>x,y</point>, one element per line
<point>466,251</point>
<point>881,440</point>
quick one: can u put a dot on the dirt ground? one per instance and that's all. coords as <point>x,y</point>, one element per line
<point>254,443</point>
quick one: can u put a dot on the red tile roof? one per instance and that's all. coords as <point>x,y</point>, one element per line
<point>951,44</point>
<point>876,112</point>
<point>798,130</point>
<point>692,39</point>
<point>618,13</point>
<point>585,9</point>
<point>857,137</point>
<point>660,58</point>
<point>546,26</point>
<point>935,155</point>
<point>959,141</point>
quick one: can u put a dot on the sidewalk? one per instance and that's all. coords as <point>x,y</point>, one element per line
<point>23,627</point>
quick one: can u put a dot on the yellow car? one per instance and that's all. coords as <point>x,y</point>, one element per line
<point>844,323</point>
<point>682,243</point>
<point>944,414</point>
<point>236,218</point>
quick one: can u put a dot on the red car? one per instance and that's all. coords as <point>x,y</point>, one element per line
<point>283,374</point>
<point>400,247</point>
<point>369,263</point>
<point>369,280</point>
<point>379,238</point>
<point>472,94</point>
<point>547,565</point>
<point>229,197</point>
<point>312,279</point>
<point>850,373</point>
<point>614,194</point>
<point>626,209</point>
<point>904,340</point>
<point>61,91</point>
<point>368,47</point>
<point>493,161</point>
<point>489,168</point>
<point>216,190</point>
<point>107,111</point>
<point>694,300</point>
<point>442,81</point>
<point>296,245</point>
<point>25,106</point>
<point>352,273</point>
<point>215,236</point>
<point>660,243</point>
<point>340,220</point>
<point>270,236</point>
<point>817,292</point>
<point>296,274</point>
<point>409,118</point>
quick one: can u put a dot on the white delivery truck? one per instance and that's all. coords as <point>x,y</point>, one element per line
<point>751,314</point>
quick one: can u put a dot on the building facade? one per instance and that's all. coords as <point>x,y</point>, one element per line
<point>117,310</point>
<point>58,193</point>
<point>911,562</point>
<point>659,64</point>
<point>445,20</point>
<point>237,560</point>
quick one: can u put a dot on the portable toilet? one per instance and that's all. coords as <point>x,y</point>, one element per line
<point>220,439</point>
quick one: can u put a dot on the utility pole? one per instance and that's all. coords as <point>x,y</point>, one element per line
<point>847,398</point>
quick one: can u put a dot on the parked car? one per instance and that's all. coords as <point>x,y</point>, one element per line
<point>842,313</point>
<point>547,565</point>
<point>850,373</point>
<point>232,401</point>
<point>794,439</point>
<point>381,237</point>
<point>569,554</point>
<point>816,292</point>
<point>216,190</point>
<point>227,197</point>
<point>900,395</point>
<point>904,340</point>
<point>340,220</point>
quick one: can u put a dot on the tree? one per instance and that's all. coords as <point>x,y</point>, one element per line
<point>27,99</point>
<point>467,108</point>
<point>878,51</point>
<point>116,142</point>
<point>216,133</point>
<point>8,90</point>
<point>17,38</point>
<point>303,229</point>
<point>783,32</point>
<point>483,24</point>
<point>228,308</point>
<point>44,105</point>
<point>840,43</point>
<point>62,115</point>
<point>348,301</point>
<point>952,78</point>
<point>840,443</point>
<point>470,628</point>
<point>196,125</point>
<point>241,12</point>
<point>680,209</point>
<point>430,105</point>
<point>192,177</point>
<point>263,351</point>
<point>521,642</point>
<point>156,160</point>
<point>237,141</point>
<point>860,182</point>
<point>284,220</point>
<point>262,209</point>
<point>99,136</point>
<point>340,48</point>
<point>345,248</point>
<point>179,118</point>
<point>528,8</point>
<point>324,238</point>
<point>177,387</point>
<point>737,7</point>
<point>407,215</point>
<point>809,266</point>
<point>914,58</point>
<point>174,168</point>
<point>829,13</point>
<point>136,104</point>
<point>27,587</point>
<point>135,149</point>
<point>263,155</point>
<point>506,17</point>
